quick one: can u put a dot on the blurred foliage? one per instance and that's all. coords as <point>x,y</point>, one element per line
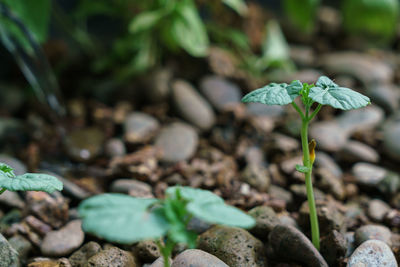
<point>301,13</point>
<point>374,18</point>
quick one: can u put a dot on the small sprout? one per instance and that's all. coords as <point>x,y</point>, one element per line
<point>324,92</point>
<point>125,219</point>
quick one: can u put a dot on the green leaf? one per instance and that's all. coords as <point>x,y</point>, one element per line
<point>275,94</point>
<point>275,49</point>
<point>302,13</point>
<point>6,170</point>
<point>194,194</point>
<point>31,182</point>
<point>238,5</point>
<point>121,218</point>
<point>214,212</point>
<point>145,21</point>
<point>326,92</point>
<point>302,169</point>
<point>189,31</point>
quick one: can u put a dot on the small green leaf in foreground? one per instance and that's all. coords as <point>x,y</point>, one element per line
<point>275,94</point>
<point>302,169</point>
<point>31,182</point>
<point>326,92</point>
<point>121,218</point>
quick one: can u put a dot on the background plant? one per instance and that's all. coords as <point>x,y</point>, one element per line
<point>126,220</point>
<point>324,92</point>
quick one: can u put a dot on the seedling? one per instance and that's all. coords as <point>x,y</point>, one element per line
<point>324,92</point>
<point>27,182</point>
<point>126,220</point>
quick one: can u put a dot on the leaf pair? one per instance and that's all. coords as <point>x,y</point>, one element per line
<point>124,219</point>
<point>325,92</point>
<point>28,181</point>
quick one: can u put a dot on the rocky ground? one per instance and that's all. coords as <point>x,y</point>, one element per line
<point>198,134</point>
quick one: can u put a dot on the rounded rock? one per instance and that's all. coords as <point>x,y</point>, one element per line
<point>81,256</point>
<point>377,209</point>
<point>114,147</point>
<point>191,105</point>
<point>391,140</point>
<point>197,258</point>
<point>220,92</point>
<point>177,141</point>
<point>84,144</point>
<point>112,256</point>
<point>139,127</point>
<point>376,232</point>
<point>372,253</point>
<point>266,220</point>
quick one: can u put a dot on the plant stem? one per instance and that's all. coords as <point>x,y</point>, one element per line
<point>166,250</point>
<point>310,193</point>
<point>2,190</point>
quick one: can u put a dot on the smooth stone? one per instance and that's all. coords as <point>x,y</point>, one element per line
<point>81,256</point>
<point>333,247</point>
<point>266,220</point>
<point>288,243</point>
<point>139,127</point>
<point>361,119</point>
<point>302,55</point>
<point>191,105</point>
<point>256,176</point>
<point>112,257</point>
<point>114,147</point>
<point>158,85</point>
<point>387,96</point>
<point>11,199</point>
<point>21,245</point>
<point>63,241</point>
<point>329,183</point>
<point>365,68</point>
<point>391,140</point>
<point>374,176</point>
<point>377,209</point>
<point>325,161</point>
<point>220,92</point>
<point>277,192</point>
<point>159,262</point>
<point>147,251</point>
<point>133,187</point>
<point>18,166</point>
<point>259,109</point>
<point>329,135</point>
<point>197,258</point>
<point>300,190</point>
<point>354,151</point>
<point>234,246</point>
<point>372,253</point>
<point>8,255</point>
<point>72,189</point>
<point>177,141</point>
<point>85,144</point>
<point>369,232</point>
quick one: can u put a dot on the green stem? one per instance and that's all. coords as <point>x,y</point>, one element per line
<point>296,107</point>
<point>310,193</point>
<point>2,190</point>
<point>315,112</point>
<point>166,250</point>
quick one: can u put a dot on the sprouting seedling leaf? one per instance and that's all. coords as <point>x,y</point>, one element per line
<point>275,94</point>
<point>6,170</point>
<point>31,182</point>
<point>326,92</point>
<point>121,218</point>
<point>302,169</point>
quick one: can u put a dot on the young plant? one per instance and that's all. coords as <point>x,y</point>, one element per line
<point>324,92</point>
<point>126,220</point>
<point>27,182</point>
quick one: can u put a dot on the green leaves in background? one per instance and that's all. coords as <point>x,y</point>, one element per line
<point>374,18</point>
<point>122,218</point>
<point>238,5</point>
<point>302,13</point>
<point>275,94</point>
<point>145,20</point>
<point>326,92</point>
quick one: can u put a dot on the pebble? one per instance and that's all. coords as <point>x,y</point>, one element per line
<point>21,245</point>
<point>11,199</point>
<point>329,135</point>
<point>114,147</point>
<point>8,255</point>
<point>177,141</point>
<point>277,192</point>
<point>234,246</point>
<point>133,187</point>
<point>365,68</point>
<point>288,243</point>
<point>197,258</point>
<point>72,189</point>
<point>140,127</point>
<point>63,241</point>
<point>330,183</point>
<point>147,251</point>
<point>191,105</point>
<point>369,232</point>
<point>333,247</point>
<point>256,176</point>
<point>377,209</point>
<point>84,145</point>
<point>354,151</point>
<point>159,263</point>
<point>158,85</point>
<point>266,220</point>
<point>259,109</point>
<point>18,166</point>
<point>372,253</point>
<point>112,257</point>
<point>391,140</point>
<point>220,92</point>
<point>81,256</point>
<point>325,161</point>
<point>387,96</point>
<point>46,262</point>
<point>374,176</point>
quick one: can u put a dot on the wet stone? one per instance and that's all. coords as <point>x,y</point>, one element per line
<point>256,176</point>
<point>133,187</point>
<point>139,127</point>
<point>112,257</point>
<point>177,141</point>
<point>372,253</point>
<point>220,92</point>
<point>114,147</point>
<point>369,232</point>
<point>63,241</point>
<point>81,256</point>
<point>8,255</point>
<point>197,258</point>
<point>191,105</point>
<point>266,220</point>
<point>234,246</point>
<point>284,243</point>
<point>354,151</point>
<point>377,209</point>
<point>83,145</point>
